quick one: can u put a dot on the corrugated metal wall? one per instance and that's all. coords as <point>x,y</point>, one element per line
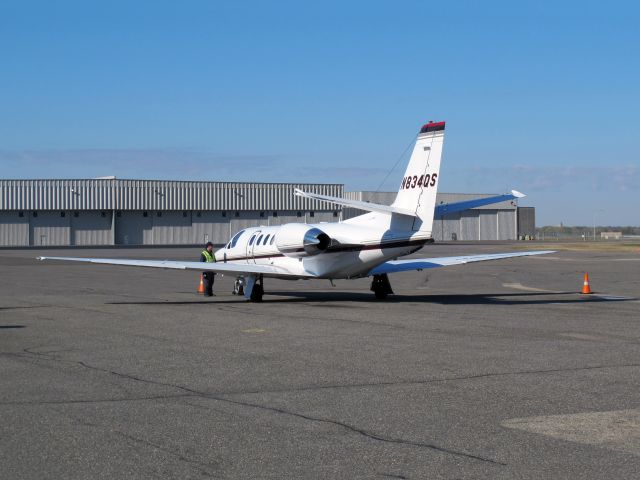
<point>14,228</point>
<point>489,222</point>
<point>195,212</point>
<point>526,221</point>
<point>47,228</point>
<point>159,195</point>
<point>91,228</point>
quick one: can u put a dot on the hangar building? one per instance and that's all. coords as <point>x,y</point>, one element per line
<point>156,212</point>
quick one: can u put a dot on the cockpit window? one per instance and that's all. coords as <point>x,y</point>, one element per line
<point>235,238</point>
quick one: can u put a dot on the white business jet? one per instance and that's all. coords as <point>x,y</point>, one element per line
<point>364,246</point>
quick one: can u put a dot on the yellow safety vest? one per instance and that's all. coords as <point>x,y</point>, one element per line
<point>210,258</point>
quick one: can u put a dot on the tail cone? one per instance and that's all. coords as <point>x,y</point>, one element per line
<point>586,289</point>
<point>201,286</point>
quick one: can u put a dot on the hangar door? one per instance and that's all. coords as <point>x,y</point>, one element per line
<point>14,229</point>
<point>49,228</point>
<point>134,228</point>
<point>91,228</point>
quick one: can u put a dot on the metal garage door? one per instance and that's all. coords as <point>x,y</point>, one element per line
<point>49,228</point>
<point>91,228</point>
<point>488,225</point>
<point>469,225</point>
<point>14,229</point>
<point>133,228</point>
<point>507,225</point>
<point>210,227</point>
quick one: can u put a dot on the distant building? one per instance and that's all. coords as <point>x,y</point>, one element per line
<point>109,211</point>
<point>498,221</point>
<point>611,235</point>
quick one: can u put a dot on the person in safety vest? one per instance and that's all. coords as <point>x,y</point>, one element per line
<point>208,256</point>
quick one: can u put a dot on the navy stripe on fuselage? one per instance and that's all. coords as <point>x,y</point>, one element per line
<point>342,249</point>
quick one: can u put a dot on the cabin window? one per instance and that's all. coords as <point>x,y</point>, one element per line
<point>235,238</point>
<point>266,239</point>
<point>251,240</point>
<point>259,240</point>
<point>272,240</point>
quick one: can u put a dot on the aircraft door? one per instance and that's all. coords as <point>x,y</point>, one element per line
<point>251,245</point>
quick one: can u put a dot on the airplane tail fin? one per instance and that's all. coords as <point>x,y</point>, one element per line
<point>420,182</point>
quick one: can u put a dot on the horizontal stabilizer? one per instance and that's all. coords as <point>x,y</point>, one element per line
<point>423,263</point>
<point>366,206</point>
<point>447,208</point>
<point>220,267</point>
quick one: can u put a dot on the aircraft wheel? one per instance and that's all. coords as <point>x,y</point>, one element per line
<point>256,293</point>
<point>380,294</point>
<point>381,286</point>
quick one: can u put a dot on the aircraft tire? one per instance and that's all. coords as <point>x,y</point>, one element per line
<point>256,293</point>
<point>380,294</point>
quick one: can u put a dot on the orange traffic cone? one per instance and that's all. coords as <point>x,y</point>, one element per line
<point>585,286</point>
<point>201,287</point>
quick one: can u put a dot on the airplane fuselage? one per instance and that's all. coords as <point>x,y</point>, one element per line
<point>353,252</point>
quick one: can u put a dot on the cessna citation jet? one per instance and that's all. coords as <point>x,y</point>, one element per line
<point>364,246</point>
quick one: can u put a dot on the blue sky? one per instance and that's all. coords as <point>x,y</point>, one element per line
<point>538,96</point>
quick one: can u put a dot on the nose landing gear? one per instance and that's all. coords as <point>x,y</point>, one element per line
<point>238,286</point>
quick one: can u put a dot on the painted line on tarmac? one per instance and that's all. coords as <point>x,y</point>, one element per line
<point>519,286</point>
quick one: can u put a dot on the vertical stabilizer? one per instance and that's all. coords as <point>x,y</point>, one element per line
<point>420,182</point>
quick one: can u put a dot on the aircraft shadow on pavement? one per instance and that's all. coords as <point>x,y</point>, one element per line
<point>534,298</point>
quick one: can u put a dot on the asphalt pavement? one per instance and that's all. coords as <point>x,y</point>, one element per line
<point>491,370</point>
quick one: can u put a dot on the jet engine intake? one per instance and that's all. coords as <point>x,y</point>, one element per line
<point>301,240</point>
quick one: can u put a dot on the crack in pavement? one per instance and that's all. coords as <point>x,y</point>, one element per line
<point>97,400</point>
<point>423,382</point>
<point>221,397</point>
<point>362,432</point>
<point>198,465</point>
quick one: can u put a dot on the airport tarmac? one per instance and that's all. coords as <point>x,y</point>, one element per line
<point>490,370</point>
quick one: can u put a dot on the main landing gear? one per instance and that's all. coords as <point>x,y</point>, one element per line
<point>381,287</point>
<point>251,287</point>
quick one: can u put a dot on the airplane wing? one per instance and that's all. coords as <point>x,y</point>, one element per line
<point>369,207</point>
<point>447,208</point>
<point>422,263</point>
<point>220,267</point>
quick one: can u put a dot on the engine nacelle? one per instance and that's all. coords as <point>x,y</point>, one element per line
<point>301,240</point>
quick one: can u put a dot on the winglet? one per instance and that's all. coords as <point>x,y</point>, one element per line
<point>517,194</point>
